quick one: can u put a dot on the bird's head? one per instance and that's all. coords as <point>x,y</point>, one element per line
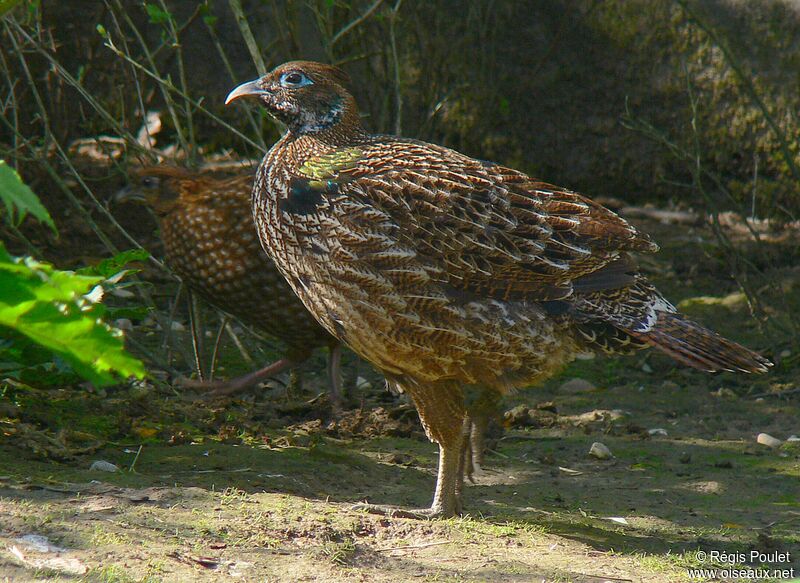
<point>158,187</point>
<point>309,97</point>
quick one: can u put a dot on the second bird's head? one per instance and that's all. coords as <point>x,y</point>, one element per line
<point>308,97</point>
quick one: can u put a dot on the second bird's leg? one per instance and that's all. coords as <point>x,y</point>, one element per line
<point>233,386</point>
<point>334,370</point>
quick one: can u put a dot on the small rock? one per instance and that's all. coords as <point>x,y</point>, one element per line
<point>178,326</point>
<point>363,384</point>
<point>140,389</point>
<point>793,438</point>
<point>577,385</point>
<point>725,393</point>
<point>670,386</point>
<point>647,368</point>
<point>103,466</point>
<point>657,432</point>
<point>786,353</point>
<point>600,451</point>
<point>685,458</point>
<point>123,324</point>
<point>768,440</point>
<point>547,406</point>
<point>516,416</point>
<point>274,385</point>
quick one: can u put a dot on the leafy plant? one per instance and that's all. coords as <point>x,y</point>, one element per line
<point>19,199</point>
<point>60,310</point>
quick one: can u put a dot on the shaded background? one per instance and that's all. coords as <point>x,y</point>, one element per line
<point>544,86</point>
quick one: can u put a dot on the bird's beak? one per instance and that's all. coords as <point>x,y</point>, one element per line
<point>127,194</point>
<point>250,88</point>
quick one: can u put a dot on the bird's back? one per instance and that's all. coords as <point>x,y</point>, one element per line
<point>434,265</point>
<point>210,242</point>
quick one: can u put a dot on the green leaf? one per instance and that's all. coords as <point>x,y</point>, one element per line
<point>6,5</point>
<point>156,14</point>
<point>19,199</point>
<point>113,265</point>
<point>48,306</point>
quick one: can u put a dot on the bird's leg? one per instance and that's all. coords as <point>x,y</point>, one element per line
<point>481,411</point>
<point>465,457</point>
<point>442,413</point>
<point>335,376</point>
<point>477,434</point>
<point>233,386</point>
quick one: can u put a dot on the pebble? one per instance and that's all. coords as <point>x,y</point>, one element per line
<point>363,384</point>
<point>768,440</point>
<point>793,438</point>
<point>600,451</point>
<point>657,431</point>
<point>178,326</point>
<point>577,385</point>
<point>123,324</point>
<point>670,386</point>
<point>647,368</point>
<point>103,466</point>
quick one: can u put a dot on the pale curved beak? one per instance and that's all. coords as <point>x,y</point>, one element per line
<point>248,89</point>
<point>127,194</point>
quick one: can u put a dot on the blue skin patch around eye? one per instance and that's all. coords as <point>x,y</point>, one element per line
<point>294,79</point>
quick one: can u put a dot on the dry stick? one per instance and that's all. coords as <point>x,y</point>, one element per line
<point>134,74</point>
<point>168,84</point>
<point>192,152</point>
<point>50,139</point>
<point>151,62</point>
<point>398,123</point>
<point>748,86</point>
<point>648,130</point>
<point>733,256</point>
<point>247,34</point>
<point>196,325</point>
<point>242,350</point>
<point>215,353</point>
<point>419,546</point>
<point>64,74</point>
<point>349,27</point>
<point>248,112</point>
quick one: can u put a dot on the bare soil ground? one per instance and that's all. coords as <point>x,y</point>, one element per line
<point>260,488</point>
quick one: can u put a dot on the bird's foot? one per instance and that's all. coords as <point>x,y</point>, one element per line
<point>395,512</point>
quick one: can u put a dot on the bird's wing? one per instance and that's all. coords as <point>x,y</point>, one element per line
<point>492,231</point>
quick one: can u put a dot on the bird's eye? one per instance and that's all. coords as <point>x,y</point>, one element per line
<point>295,79</point>
<point>150,182</point>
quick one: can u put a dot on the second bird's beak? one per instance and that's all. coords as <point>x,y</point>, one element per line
<point>250,88</point>
<point>127,194</point>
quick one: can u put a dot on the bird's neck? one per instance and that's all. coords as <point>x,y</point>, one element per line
<point>297,148</point>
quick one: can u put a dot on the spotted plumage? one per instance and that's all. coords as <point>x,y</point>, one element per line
<point>448,272</point>
<point>209,240</point>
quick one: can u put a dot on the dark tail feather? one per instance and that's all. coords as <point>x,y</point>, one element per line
<point>698,347</point>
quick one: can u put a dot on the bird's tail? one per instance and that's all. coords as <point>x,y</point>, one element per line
<point>691,344</point>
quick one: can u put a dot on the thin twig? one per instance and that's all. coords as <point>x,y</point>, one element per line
<point>409,547</point>
<point>350,26</point>
<point>748,85</point>
<point>215,352</point>
<point>398,92</point>
<point>247,34</point>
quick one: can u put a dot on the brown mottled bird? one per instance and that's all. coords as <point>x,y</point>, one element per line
<point>210,242</point>
<point>447,272</point>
